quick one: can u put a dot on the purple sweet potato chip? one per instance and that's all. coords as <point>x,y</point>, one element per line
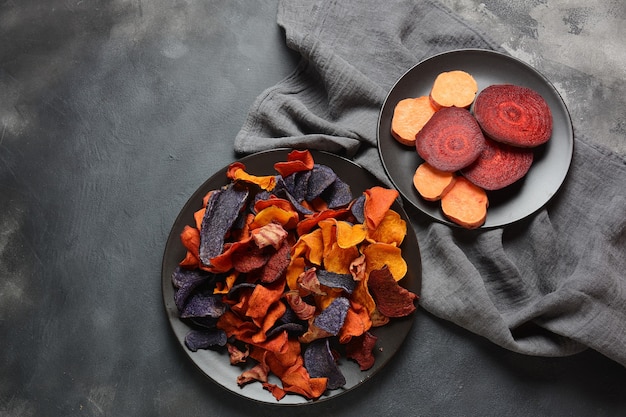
<point>332,317</point>
<point>205,339</point>
<point>282,190</point>
<point>320,179</point>
<point>295,329</point>
<point>203,305</point>
<point>338,194</point>
<point>185,282</point>
<point>333,280</point>
<point>320,362</point>
<point>358,209</point>
<point>235,288</point>
<point>222,210</point>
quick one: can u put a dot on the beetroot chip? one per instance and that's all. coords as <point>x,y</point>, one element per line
<point>276,265</point>
<point>249,257</point>
<point>319,362</point>
<point>361,350</point>
<point>205,339</point>
<point>333,280</point>
<point>332,317</point>
<point>391,299</point>
<point>222,210</point>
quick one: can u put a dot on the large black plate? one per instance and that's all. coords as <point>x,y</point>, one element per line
<point>552,160</point>
<point>215,364</point>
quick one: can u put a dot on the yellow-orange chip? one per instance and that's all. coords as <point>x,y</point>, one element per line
<point>392,230</point>
<point>377,255</point>
<point>349,235</point>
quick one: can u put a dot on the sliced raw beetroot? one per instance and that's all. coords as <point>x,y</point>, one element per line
<point>499,165</point>
<point>451,139</point>
<point>514,114</point>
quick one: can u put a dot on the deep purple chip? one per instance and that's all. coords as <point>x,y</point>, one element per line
<point>185,282</point>
<point>205,339</point>
<point>358,208</point>
<point>222,210</point>
<point>338,194</point>
<point>333,280</point>
<point>320,179</point>
<point>204,305</point>
<point>332,317</point>
<point>320,362</point>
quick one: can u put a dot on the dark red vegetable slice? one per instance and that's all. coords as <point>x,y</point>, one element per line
<point>499,165</point>
<point>391,299</point>
<point>513,114</point>
<point>451,139</point>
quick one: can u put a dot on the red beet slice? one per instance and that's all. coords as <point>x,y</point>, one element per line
<point>514,114</point>
<point>499,165</point>
<point>450,140</point>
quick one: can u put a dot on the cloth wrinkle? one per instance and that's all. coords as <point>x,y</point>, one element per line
<point>552,284</point>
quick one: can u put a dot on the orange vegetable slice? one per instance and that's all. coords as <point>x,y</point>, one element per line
<point>432,183</point>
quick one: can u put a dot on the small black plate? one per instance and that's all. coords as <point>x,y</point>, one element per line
<point>216,364</point>
<point>551,162</point>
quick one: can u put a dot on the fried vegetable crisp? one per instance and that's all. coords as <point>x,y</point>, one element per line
<point>281,267</point>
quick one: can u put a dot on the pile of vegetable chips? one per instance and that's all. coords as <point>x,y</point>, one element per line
<point>281,269</point>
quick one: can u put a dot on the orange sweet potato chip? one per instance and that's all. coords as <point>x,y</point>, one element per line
<point>296,161</point>
<point>356,323</point>
<point>379,255</point>
<point>392,230</point>
<point>377,201</point>
<point>338,260</point>
<point>310,222</point>
<point>237,172</point>
<point>263,296</point>
<point>349,235</point>
<point>288,219</point>
<point>190,238</point>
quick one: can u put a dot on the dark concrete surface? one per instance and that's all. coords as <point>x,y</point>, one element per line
<point>113,112</point>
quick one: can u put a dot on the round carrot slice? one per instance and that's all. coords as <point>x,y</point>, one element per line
<point>499,165</point>
<point>514,114</point>
<point>453,88</point>
<point>451,139</point>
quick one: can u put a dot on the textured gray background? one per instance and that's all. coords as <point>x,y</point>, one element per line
<point>580,46</point>
<point>112,113</point>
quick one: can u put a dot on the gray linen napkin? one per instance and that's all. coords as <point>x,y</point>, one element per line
<point>552,285</point>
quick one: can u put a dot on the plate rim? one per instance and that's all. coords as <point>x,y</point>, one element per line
<point>568,126</point>
<point>176,325</point>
